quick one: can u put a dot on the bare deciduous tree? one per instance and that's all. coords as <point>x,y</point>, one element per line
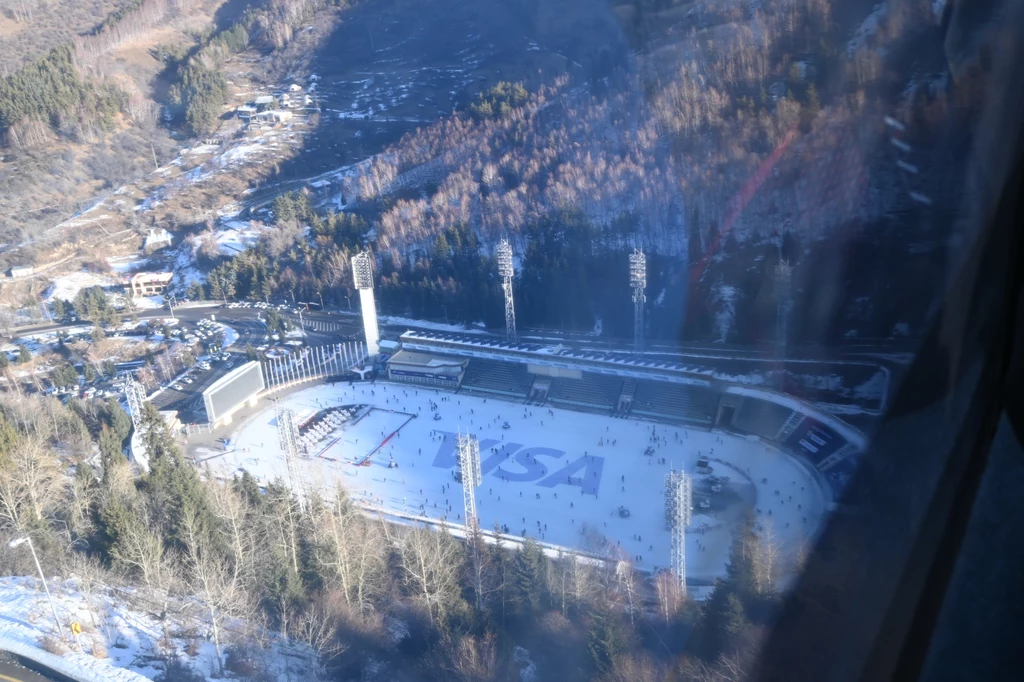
<point>471,659</point>
<point>431,561</point>
<point>31,484</point>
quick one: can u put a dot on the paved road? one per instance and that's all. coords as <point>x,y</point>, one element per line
<point>12,672</point>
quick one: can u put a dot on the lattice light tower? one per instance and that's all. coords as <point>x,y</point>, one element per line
<point>469,469</point>
<point>288,437</point>
<point>638,282</point>
<point>507,271</point>
<point>783,303</point>
<point>472,477</point>
<point>678,506</point>
<point>135,394</point>
<point>362,276</point>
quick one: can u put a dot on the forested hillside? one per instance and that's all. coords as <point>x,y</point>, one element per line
<point>732,136</point>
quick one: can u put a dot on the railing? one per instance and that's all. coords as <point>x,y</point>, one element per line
<point>314,363</point>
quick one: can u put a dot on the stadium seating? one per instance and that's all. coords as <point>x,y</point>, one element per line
<point>625,400</point>
<point>503,378</point>
<point>592,390</point>
<point>682,402</point>
<point>761,418</point>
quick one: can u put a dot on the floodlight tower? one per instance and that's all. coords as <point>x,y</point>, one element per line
<point>288,437</point>
<point>783,303</point>
<point>135,394</point>
<point>638,282</point>
<point>472,476</point>
<point>678,504</point>
<point>362,275</point>
<point>506,271</point>
<point>469,468</point>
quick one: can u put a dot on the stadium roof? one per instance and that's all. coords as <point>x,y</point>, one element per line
<point>590,360</point>
<point>406,357</point>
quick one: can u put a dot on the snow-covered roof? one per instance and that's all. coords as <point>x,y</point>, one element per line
<point>558,356</point>
<point>405,357</point>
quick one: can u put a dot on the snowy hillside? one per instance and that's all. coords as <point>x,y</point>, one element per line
<point>122,632</point>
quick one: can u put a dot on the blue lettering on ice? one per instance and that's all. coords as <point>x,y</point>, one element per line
<point>589,481</point>
<point>584,472</point>
<point>488,464</point>
<point>528,460</point>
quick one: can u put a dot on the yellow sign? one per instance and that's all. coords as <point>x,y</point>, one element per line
<point>76,629</point>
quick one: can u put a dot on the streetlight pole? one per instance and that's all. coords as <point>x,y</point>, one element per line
<point>20,541</point>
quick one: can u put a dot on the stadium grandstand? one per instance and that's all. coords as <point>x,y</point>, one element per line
<point>624,385</point>
<point>502,378</point>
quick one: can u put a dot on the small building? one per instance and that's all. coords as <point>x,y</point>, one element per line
<point>150,283</point>
<point>157,239</point>
<point>425,368</point>
<point>21,270</point>
<point>264,102</point>
<point>245,112</point>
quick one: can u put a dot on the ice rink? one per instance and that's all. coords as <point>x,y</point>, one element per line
<point>556,475</point>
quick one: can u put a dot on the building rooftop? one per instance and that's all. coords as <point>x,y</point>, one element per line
<point>406,357</point>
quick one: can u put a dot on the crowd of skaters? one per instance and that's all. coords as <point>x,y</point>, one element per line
<point>659,436</point>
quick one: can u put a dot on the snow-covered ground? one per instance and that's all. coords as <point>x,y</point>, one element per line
<point>234,237</point>
<point>120,631</point>
<point>128,264</point>
<point>66,287</point>
<point>395,320</point>
<point>557,475</point>
<point>230,335</point>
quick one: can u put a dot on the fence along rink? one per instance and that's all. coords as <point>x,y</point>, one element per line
<point>312,363</point>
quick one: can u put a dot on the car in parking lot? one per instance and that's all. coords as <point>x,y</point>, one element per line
<point>178,387</point>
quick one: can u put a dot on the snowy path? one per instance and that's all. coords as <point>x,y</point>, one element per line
<point>558,475</point>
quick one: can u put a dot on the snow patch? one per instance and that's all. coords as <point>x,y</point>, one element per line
<point>527,669</point>
<point>867,28</point>
<point>66,287</point>
<point>124,623</point>
<point>127,265</point>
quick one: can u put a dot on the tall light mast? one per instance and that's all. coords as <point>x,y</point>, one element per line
<point>472,477</point>
<point>288,437</point>
<point>506,271</point>
<point>362,276</point>
<point>638,282</point>
<point>135,395</point>
<point>678,505</point>
<point>783,303</point>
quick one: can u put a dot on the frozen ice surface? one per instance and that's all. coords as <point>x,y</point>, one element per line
<point>567,471</point>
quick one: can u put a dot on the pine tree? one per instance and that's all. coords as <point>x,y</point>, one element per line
<point>604,640</point>
<point>529,580</point>
<point>110,450</point>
